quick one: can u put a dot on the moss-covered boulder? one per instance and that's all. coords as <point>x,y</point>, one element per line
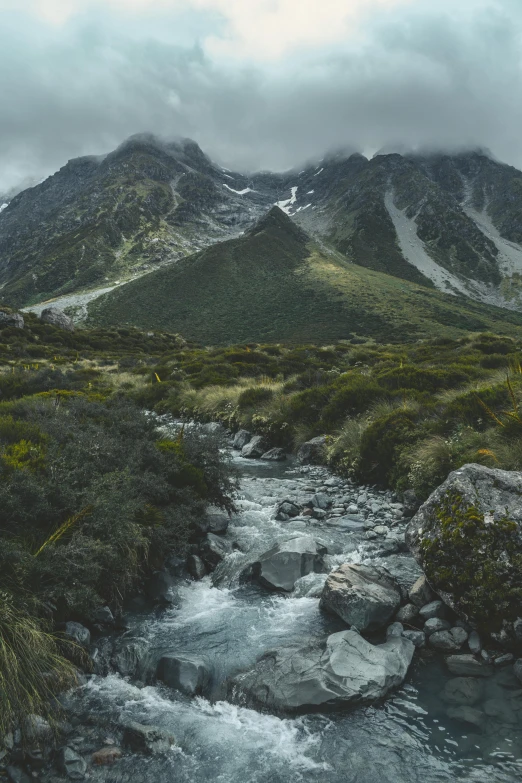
<point>467,537</point>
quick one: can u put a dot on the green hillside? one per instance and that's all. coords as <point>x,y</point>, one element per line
<point>274,284</point>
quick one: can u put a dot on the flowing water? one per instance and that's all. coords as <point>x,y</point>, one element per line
<point>408,739</point>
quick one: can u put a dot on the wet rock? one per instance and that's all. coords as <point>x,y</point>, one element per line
<point>474,643</point>
<point>71,763</point>
<point>445,641</point>
<point>158,588</point>
<point>468,666</point>
<point>411,502</point>
<point>148,740</point>
<point>56,317</point>
<point>274,455</point>
<point>363,596</point>
<point>348,671</point>
<point>421,593</point>
<point>395,629</point>
<point>78,633</point>
<point>433,609</point>
<point>501,709</point>
<point>241,439</point>
<point>218,523</point>
<point>255,448</point>
<point>310,586</point>
<point>459,634</point>
<point>468,715</point>
<point>214,549</point>
<point>407,614</point>
<point>106,756</point>
<point>17,775</point>
<point>320,500</point>
<point>11,319</point>
<point>463,690</point>
<point>518,669</point>
<point>319,513</point>
<point>313,451</point>
<point>288,509</point>
<point>417,637</point>
<point>196,567</point>
<point>186,673</point>
<point>104,616</point>
<point>286,562</point>
<point>37,729</point>
<point>130,655</point>
<point>491,500</point>
<point>435,624</point>
<point>504,660</point>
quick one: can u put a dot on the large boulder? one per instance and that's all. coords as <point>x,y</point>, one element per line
<point>349,671</point>
<point>255,448</point>
<point>366,597</point>
<point>214,549</point>
<point>241,438</point>
<point>467,538</point>
<point>286,562</point>
<point>186,673</point>
<point>11,319</point>
<point>56,317</point>
<point>312,451</point>
<point>130,655</point>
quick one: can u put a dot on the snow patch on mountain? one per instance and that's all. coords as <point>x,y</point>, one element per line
<point>239,192</point>
<point>3,206</point>
<point>286,204</point>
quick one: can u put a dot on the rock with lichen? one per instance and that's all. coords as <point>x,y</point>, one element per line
<point>467,538</point>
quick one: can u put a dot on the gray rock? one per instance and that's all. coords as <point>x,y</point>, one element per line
<point>78,633</point>
<point>104,616</point>
<point>411,502</point>
<point>395,629</point>
<point>130,654</point>
<point>517,668</point>
<point>501,709</point>
<point>474,643</point>
<point>443,640</point>
<point>320,500</point>
<point>149,740</point>
<point>11,319</point>
<point>37,729</point>
<point>468,666</point>
<point>417,637</point>
<point>504,660</point>
<point>313,451</point>
<point>186,673</point>
<point>407,614</point>
<point>71,763</point>
<point>288,508</point>
<point>517,628</point>
<point>56,317</point>
<point>214,549</point>
<point>463,690</point>
<point>241,439</point>
<point>196,567</point>
<point>319,513</point>
<point>17,775</point>
<point>496,495</point>
<point>286,562</point>
<point>421,593</point>
<point>433,609</point>
<point>380,530</point>
<point>468,715</point>
<point>255,448</point>
<point>459,634</point>
<point>435,624</point>
<point>274,455</point>
<point>158,587</point>
<point>218,523</point>
<point>363,596</point>
<point>349,671</point>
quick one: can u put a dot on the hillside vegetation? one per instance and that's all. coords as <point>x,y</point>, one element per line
<point>274,284</point>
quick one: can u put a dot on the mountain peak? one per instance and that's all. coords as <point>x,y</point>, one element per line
<point>275,221</point>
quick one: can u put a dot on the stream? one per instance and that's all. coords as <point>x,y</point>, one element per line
<point>408,739</point>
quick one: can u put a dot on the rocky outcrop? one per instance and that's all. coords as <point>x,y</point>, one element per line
<point>348,671</point>
<point>11,319</point>
<point>286,562</point>
<point>312,451</point>
<point>186,673</point>
<point>255,448</point>
<point>365,597</point>
<point>56,317</point>
<point>467,537</point>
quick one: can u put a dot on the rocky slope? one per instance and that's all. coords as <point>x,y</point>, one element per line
<point>446,221</point>
<point>275,284</point>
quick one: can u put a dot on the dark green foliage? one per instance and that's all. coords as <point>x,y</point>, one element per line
<point>255,396</point>
<point>381,445</point>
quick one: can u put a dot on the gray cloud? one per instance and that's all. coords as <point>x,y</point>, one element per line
<point>422,76</point>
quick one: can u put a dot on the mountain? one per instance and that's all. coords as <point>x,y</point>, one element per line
<point>275,284</point>
<point>450,222</point>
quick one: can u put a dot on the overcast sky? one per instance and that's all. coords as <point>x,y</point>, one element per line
<point>258,83</point>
